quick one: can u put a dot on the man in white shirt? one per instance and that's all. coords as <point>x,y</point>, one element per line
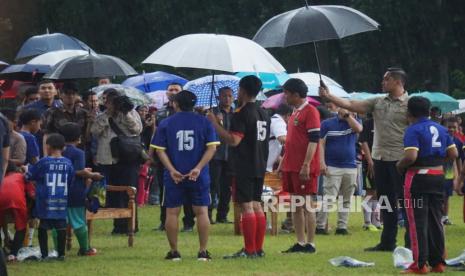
<point>278,132</point>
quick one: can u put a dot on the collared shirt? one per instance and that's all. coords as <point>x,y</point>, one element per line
<point>222,151</point>
<point>278,128</point>
<point>390,122</point>
<point>42,107</point>
<point>55,118</point>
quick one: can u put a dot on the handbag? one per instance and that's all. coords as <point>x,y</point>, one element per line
<point>127,149</point>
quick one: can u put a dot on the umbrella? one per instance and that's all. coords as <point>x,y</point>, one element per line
<point>3,64</point>
<point>54,57</point>
<point>360,96</point>
<point>24,72</point>
<point>137,97</point>
<point>90,66</point>
<point>215,52</point>
<point>275,101</point>
<point>270,81</point>
<point>461,108</point>
<point>312,24</point>
<point>445,102</point>
<point>155,81</point>
<point>202,87</point>
<point>313,83</point>
<point>159,98</point>
<point>41,44</point>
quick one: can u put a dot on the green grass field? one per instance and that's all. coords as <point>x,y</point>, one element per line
<point>146,257</point>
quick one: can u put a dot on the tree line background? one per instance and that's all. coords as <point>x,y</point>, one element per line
<point>425,37</point>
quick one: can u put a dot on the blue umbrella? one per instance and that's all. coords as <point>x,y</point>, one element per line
<point>445,102</point>
<point>155,81</point>
<point>270,81</point>
<point>41,44</point>
<point>24,71</point>
<point>3,64</point>
<point>202,88</point>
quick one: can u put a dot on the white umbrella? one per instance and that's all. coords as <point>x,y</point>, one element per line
<point>52,58</point>
<point>159,98</point>
<point>312,80</point>
<point>215,52</point>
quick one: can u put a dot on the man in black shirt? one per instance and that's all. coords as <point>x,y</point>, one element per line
<point>249,134</point>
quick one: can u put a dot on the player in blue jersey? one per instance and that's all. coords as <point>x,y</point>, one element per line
<point>427,145</point>
<point>77,189</point>
<point>52,176</point>
<point>185,143</point>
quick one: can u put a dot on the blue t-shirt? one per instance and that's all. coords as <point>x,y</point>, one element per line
<point>77,188</point>
<point>52,177</point>
<point>42,107</point>
<point>429,138</point>
<point>185,137</point>
<point>340,140</point>
<point>32,147</point>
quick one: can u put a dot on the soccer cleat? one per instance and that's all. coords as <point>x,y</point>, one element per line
<point>379,248</point>
<point>241,254</point>
<point>260,253</point>
<point>173,256</point>
<point>341,231</point>
<point>296,248</point>
<point>439,268</point>
<point>90,252</point>
<point>204,256</point>
<point>308,248</point>
<point>447,222</point>
<point>413,269</point>
<point>321,231</point>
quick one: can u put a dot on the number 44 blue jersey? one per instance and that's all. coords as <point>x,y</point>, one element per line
<point>52,177</point>
<point>185,137</point>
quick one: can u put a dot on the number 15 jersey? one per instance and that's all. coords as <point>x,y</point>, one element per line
<point>52,177</point>
<point>252,124</point>
<point>185,137</point>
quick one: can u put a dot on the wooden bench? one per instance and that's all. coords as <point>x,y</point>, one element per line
<point>113,213</point>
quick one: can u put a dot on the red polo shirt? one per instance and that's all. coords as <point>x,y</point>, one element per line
<point>303,120</point>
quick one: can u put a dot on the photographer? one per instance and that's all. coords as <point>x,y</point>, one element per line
<point>119,114</point>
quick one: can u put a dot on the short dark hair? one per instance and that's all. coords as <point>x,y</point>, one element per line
<point>296,86</point>
<point>70,86</point>
<point>111,93</point>
<point>186,100</point>
<point>10,114</point>
<point>71,132</point>
<point>56,141</point>
<point>436,109</point>
<point>284,109</point>
<point>397,73</point>
<point>29,115</point>
<point>224,88</point>
<point>251,85</point>
<point>174,83</point>
<point>87,95</point>
<point>418,106</point>
<point>45,81</point>
<point>30,91</point>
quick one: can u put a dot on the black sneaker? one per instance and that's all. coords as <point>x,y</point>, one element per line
<point>260,253</point>
<point>187,229</point>
<point>341,231</point>
<point>241,254</point>
<point>308,248</point>
<point>173,256</point>
<point>204,256</point>
<point>379,248</point>
<point>321,231</point>
<point>296,248</point>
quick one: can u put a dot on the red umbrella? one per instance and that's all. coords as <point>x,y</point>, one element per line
<point>274,101</point>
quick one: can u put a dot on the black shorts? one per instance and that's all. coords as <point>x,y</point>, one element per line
<point>49,224</point>
<point>248,189</point>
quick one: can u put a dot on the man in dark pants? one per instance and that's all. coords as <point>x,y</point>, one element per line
<point>390,120</point>
<point>220,168</point>
<point>188,219</point>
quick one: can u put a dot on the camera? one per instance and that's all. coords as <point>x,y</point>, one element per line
<point>123,104</point>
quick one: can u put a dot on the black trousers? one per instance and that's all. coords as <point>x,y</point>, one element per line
<point>188,219</point>
<point>3,270</point>
<point>220,187</point>
<point>389,188</point>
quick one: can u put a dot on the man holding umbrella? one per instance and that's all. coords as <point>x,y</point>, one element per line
<point>390,121</point>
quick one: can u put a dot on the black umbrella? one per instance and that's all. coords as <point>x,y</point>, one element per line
<point>41,44</point>
<point>90,66</point>
<point>3,64</point>
<point>312,24</point>
<point>25,72</point>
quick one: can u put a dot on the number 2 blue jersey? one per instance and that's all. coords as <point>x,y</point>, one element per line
<point>52,177</point>
<point>185,137</point>
<point>430,139</point>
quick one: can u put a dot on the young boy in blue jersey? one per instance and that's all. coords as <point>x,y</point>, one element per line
<point>77,189</point>
<point>185,143</point>
<point>52,176</point>
<point>30,120</point>
<point>427,145</point>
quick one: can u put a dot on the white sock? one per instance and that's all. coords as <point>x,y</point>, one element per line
<point>302,243</point>
<point>375,217</point>
<point>367,214</point>
<point>30,236</point>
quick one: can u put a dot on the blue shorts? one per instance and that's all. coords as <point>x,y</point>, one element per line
<point>448,187</point>
<point>187,192</point>
<point>49,224</point>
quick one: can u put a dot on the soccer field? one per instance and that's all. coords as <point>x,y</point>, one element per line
<point>146,257</point>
